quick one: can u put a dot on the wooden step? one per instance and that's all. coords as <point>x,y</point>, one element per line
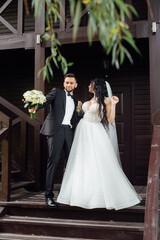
<point>11,236</point>
<point>39,209</point>
<point>13,173</point>
<point>72,228</point>
<point>21,184</point>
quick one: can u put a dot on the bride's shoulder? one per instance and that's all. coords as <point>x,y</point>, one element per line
<point>107,100</point>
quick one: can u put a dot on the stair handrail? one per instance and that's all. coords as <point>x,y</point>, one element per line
<point>35,123</point>
<point>24,119</point>
<point>151,222</point>
<point>3,133</point>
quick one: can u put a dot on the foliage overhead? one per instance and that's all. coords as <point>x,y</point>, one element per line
<point>106,19</point>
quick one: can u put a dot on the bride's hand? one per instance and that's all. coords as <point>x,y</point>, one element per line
<point>79,105</point>
<point>115,99</point>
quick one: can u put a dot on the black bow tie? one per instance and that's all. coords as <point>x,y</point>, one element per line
<point>70,95</point>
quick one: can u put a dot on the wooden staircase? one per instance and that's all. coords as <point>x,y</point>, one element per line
<point>30,218</point>
<point>19,150</point>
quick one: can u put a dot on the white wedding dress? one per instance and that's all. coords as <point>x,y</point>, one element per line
<point>93,177</point>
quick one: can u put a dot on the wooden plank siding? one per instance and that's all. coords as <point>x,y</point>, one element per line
<point>141,7</point>
<point>10,15</point>
<point>142,129</point>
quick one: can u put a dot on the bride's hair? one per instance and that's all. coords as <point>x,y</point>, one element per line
<point>100,89</point>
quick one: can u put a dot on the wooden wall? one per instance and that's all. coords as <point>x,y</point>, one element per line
<point>141,7</point>
<point>17,74</point>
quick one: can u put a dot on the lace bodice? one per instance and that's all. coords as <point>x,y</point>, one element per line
<point>91,113</point>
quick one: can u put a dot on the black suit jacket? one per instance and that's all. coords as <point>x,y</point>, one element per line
<point>57,100</point>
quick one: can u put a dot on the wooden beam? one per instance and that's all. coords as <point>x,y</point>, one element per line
<point>39,50</point>
<point>156,118</point>
<point>20,18</point>
<point>12,43</point>
<point>141,29</point>
<point>154,56</point>
<point>152,204</point>
<point>3,133</point>
<point>5,5</point>
<point>39,84</point>
<point>6,165</point>
<point>62,13</point>
<point>66,37</point>
<point>23,145</point>
<point>8,25</point>
<point>70,24</point>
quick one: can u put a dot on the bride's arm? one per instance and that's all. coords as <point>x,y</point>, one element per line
<point>111,108</point>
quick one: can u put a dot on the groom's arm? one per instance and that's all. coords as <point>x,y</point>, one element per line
<point>49,98</point>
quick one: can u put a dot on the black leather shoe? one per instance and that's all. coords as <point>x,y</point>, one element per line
<point>51,203</point>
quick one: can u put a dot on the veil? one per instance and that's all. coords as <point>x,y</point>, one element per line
<point>111,130</point>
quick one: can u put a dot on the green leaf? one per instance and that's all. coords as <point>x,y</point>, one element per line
<point>26,105</point>
<point>53,51</point>
<point>70,64</point>
<point>55,62</point>
<point>128,55</point>
<point>72,4</point>
<point>37,5</point>
<point>59,58</point>
<point>77,18</point>
<point>47,75</point>
<point>132,9</point>
<point>122,55</point>
<point>131,42</point>
<point>50,69</point>
<point>46,36</point>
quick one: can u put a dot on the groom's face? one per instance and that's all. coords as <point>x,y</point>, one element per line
<point>70,84</point>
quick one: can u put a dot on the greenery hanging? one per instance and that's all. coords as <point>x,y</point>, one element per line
<point>106,19</point>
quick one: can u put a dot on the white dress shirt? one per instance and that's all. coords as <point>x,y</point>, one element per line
<point>69,109</point>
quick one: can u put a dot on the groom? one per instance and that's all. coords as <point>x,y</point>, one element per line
<point>59,127</point>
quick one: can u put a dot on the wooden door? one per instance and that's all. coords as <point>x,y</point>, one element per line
<point>124,130</point>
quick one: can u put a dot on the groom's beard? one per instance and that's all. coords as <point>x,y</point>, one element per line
<point>70,91</point>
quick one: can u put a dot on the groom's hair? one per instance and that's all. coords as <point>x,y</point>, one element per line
<point>70,75</point>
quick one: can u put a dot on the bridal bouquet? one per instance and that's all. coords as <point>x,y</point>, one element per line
<point>33,99</point>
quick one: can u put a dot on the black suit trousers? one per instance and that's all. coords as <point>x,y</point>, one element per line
<point>61,140</point>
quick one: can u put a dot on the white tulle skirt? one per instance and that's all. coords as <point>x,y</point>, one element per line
<point>93,177</point>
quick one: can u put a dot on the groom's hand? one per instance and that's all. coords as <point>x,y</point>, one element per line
<point>32,110</point>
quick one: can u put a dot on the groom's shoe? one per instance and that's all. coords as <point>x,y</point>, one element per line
<point>50,202</point>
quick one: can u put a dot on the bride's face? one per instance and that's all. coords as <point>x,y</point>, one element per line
<point>91,87</point>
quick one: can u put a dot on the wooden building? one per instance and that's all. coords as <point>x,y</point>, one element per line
<point>23,150</point>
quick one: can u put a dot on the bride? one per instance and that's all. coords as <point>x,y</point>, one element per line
<point>93,177</point>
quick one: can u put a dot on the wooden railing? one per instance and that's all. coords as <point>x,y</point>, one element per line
<point>7,127</point>
<point>151,224</point>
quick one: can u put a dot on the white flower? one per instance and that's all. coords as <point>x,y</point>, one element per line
<point>33,97</point>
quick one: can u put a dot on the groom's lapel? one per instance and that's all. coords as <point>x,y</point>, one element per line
<point>64,99</point>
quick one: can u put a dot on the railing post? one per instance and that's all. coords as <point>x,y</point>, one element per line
<point>6,159</point>
<point>37,159</point>
<point>152,202</point>
<point>24,145</point>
